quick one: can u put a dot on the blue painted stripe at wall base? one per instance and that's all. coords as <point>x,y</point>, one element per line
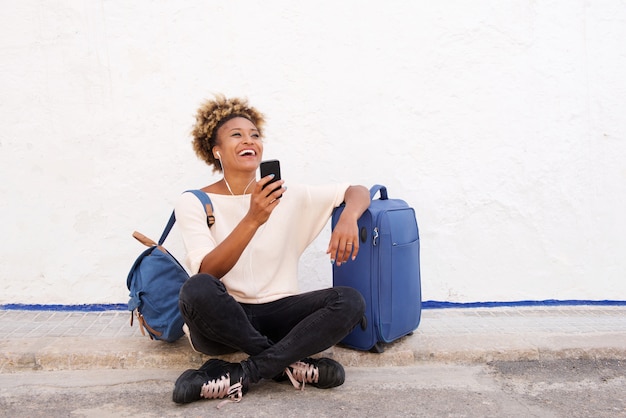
<point>430,304</point>
<point>71,308</point>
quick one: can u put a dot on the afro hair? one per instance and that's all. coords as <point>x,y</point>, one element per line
<point>214,113</point>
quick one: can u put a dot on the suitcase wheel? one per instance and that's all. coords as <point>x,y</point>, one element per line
<point>378,348</point>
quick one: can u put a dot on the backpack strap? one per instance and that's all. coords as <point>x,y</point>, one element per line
<point>208,208</point>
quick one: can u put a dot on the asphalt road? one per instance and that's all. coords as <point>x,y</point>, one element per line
<point>558,388</point>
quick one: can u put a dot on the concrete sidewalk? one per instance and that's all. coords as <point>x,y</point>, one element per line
<point>56,340</point>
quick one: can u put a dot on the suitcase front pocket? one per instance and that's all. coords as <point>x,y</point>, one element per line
<point>399,286</point>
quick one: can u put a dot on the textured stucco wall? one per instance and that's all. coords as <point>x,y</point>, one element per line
<point>501,122</point>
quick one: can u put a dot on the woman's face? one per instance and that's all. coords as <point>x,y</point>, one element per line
<point>239,145</point>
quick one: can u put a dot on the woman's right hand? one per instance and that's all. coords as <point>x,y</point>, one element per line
<point>264,201</point>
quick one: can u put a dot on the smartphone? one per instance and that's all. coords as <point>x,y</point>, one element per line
<point>271,167</point>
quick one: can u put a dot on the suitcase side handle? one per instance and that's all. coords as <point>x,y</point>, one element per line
<point>378,187</point>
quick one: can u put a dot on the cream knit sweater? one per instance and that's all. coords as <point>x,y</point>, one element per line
<point>268,268</point>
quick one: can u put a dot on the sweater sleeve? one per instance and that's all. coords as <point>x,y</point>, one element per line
<point>318,206</point>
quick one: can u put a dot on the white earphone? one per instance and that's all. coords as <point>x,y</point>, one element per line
<point>219,157</point>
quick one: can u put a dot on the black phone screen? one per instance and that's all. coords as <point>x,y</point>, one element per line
<point>270,167</point>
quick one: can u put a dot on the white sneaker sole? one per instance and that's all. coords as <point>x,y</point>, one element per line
<point>188,334</point>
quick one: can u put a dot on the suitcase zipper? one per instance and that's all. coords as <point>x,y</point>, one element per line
<point>375,236</point>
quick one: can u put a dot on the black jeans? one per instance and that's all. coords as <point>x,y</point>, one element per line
<point>274,334</point>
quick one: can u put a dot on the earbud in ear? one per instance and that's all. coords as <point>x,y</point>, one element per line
<point>219,157</point>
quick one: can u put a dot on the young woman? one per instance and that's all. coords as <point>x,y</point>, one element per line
<point>244,294</point>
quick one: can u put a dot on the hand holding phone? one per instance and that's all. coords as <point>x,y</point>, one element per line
<point>271,167</point>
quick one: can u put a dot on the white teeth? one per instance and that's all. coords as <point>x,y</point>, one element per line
<point>247,152</point>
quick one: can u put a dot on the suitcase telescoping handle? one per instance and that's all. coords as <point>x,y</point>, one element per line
<point>383,192</point>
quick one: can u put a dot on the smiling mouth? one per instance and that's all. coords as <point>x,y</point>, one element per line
<point>247,153</point>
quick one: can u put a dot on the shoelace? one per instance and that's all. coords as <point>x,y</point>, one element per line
<point>302,373</point>
<point>221,388</point>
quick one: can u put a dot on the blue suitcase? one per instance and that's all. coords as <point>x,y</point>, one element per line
<point>386,272</point>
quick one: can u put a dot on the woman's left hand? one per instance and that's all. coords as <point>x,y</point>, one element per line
<point>344,241</point>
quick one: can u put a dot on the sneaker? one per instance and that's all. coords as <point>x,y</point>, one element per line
<point>322,373</point>
<point>216,379</point>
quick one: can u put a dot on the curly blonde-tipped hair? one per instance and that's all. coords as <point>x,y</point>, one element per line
<point>214,113</point>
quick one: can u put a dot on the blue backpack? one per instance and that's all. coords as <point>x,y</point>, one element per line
<point>155,280</point>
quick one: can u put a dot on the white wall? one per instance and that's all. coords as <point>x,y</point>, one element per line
<point>501,122</point>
